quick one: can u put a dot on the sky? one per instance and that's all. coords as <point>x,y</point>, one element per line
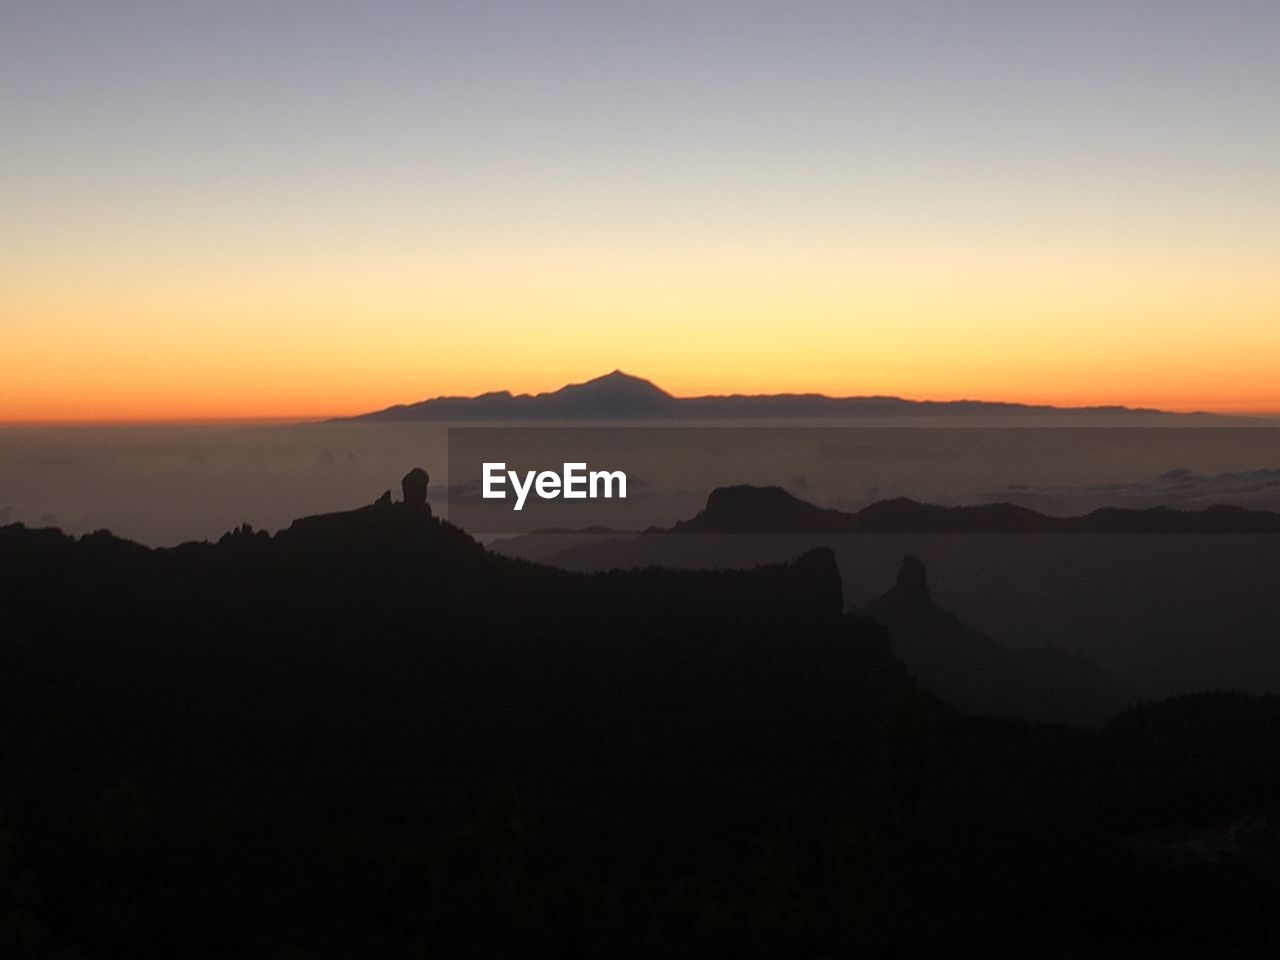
<point>221,210</point>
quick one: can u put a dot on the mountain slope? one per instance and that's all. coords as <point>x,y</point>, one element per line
<point>978,675</point>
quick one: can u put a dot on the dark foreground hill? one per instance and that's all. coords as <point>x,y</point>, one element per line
<point>366,736</point>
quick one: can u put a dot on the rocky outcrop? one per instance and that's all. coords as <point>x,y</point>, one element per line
<point>414,484</point>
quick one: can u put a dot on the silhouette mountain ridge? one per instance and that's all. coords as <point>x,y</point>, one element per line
<point>621,395</point>
<point>745,508</point>
<point>404,538</point>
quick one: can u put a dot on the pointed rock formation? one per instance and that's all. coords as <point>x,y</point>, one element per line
<point>979,675</point>
<point>912,586</point>
<point>414,484</point>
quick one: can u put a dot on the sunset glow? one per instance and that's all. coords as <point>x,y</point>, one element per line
<point>324,218</point>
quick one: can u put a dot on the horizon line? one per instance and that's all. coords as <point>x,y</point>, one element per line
<point>311,417</point>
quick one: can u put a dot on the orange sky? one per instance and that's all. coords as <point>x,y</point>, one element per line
<point>329,214</point>
<point>301,337</point>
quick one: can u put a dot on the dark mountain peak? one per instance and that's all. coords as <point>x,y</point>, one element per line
<point>620,380</point>
<point>897,509</point>
<point>909,596</point>
<point>744,508</point>
<point>748,497</point>
<point>818,574</point>
<point>614,393</point>
<point>912,586</point>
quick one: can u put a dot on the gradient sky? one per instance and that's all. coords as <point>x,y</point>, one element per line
<point>289,209</point>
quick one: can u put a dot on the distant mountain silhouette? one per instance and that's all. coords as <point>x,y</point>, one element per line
<point>615,395</point>
<point>620,396</point>
<point>752,509</point>
<point>976,674</point>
